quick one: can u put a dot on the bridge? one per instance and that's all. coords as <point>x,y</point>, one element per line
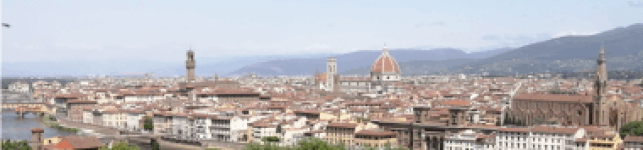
<point>22,110</point>
<point>12,100</point>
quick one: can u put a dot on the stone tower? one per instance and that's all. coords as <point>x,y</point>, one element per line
<point>37,138</point>
<point>331,72</point>
<point>190,64</point>
<point>600,85</point>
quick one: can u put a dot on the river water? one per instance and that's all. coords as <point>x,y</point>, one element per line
<point>15,128</point>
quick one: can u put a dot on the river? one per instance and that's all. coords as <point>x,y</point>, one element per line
<point>15,128</point>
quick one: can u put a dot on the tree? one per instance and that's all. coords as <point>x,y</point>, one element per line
<point>16,145</point>
<point>308,144</point>
<point>279,128</point>
<point>121,146</point>
<point>155,144</point>
<point>388,146</point>
<point>271,139</point>
<point>632,128</point>
<point>148,124</point>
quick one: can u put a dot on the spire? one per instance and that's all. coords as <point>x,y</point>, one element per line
<point>385,49</point>
<point>601,53</point>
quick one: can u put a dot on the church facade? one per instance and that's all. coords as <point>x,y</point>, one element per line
<point>596,109</point>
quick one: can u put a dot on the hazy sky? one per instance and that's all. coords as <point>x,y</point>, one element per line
<point>163,30</point>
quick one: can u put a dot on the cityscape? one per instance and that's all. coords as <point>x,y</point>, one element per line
<point>576,91</point>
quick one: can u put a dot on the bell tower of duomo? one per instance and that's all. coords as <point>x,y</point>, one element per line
<point>331,73</point>
<point>602,109</point>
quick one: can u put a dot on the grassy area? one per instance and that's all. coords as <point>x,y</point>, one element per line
<point>47,120</point>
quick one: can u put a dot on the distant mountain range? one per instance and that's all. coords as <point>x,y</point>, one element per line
<point>358,62</point>
<point>623,46</point>
<point>623,49</point>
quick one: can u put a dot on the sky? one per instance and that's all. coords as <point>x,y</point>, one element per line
<point>159,30</point>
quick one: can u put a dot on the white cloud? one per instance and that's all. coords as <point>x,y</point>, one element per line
<point>574,33</point>
<point>317,46</point>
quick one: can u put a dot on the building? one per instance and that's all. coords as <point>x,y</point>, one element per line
<point>190,64</point>
<point>75,142</point>
<point>633,142</point>
<point>134,116</point>
<point>341,133</point>
<point>469,140</point>
<point>540,137</point>
<point>19,87</point>
<point>586,109</point>
<point>331,75</point>
<point>605,140</point>
<point>535,109</point>
<point>223,96</point>
<point>76,109</point>
<point>375,138</point>
<point>263,129</point>
<point>385,77</point>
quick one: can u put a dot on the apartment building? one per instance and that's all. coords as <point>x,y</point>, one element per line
<point>134,116</point>
<point>75,109</point>
<point>115,118</point>
<point>181,126</point>
<point>605,140</point>
<point>261,130</point>
<point>633,142</point>
<point>341,132</point>
<point>469,140</point>
<point>375,138</point>
<point>539,137</point>
<point>162,122</point>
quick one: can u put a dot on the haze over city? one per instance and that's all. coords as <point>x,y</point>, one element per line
<point>230,35</point>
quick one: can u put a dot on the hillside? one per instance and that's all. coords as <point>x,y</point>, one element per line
<point>352,62</point>
<point>623,48</point>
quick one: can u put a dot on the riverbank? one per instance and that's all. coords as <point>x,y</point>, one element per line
<point>17,128</point>
<point>47,120</point>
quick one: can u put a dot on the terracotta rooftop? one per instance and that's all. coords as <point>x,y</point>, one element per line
<point>37,130</point>
<point>385,64</point>
<point>307,111</point>
<point>375,133</point>
<point>343,125</point>
<point>550,129</point>
<point>81,102</point>
<point>631,138</point>
<point>514,129</point>
<point>83,142</point>
<point>554,97</point>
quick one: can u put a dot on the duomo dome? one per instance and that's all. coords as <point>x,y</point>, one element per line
<point>385,68</point>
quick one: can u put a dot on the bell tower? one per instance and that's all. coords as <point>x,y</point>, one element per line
<point>190,64</point>
<point>331,71</point>
<point>600,85</point>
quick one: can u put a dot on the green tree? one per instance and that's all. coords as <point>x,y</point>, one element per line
<point>121,146</point>
<point>308,144</point>
<point>632,128</point>
<point>388,146</point>
<point>279,128</point>
<point>15,145</point>
<point>155,144</point>
<point>271,139</point>
<point>148,124</point>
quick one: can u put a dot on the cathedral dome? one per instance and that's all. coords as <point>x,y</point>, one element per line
<point>385,64</point>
